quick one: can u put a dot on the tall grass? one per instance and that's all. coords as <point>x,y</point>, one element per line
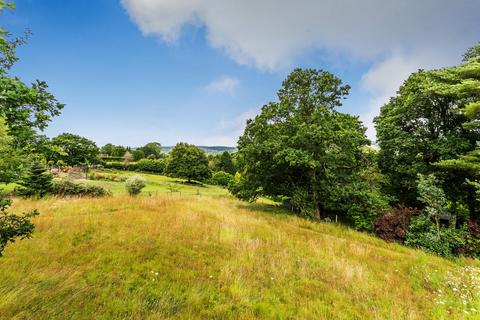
<point>191,257</point>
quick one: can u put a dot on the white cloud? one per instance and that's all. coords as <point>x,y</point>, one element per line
<point>223,85</point>
<point>397,37</point>
<point>270,33</point>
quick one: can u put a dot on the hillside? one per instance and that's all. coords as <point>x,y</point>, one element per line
<point>207,149</point>
<point>199,257</point>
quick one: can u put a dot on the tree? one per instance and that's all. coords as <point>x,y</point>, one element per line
<point>23,110</point>
<point>138,154</point>
<point>416,129</point>
<point>303,149</point>
<point>13,226</point>
<point>37,183</point>
<point>107,149</point>
<point>118,151</point>
<point>78,150</point>
<point>463,82</point>
<point>153,149</point>
<point>12,162</point>
<point>226,163</point>
<point>189,162</point>
<point>430,127</point>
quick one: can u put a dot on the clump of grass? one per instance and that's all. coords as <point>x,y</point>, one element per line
<point>191,257</point>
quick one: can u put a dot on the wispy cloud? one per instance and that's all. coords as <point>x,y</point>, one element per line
<point>225,84</point>
<point>230,130</point>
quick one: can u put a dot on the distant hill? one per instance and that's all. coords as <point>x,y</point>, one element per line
<point>207,149</point>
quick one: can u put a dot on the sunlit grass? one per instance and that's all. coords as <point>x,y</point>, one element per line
<point>158,184</point>
<point>202,257</point>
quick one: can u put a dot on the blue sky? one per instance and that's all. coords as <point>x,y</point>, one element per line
<point>135,71</point>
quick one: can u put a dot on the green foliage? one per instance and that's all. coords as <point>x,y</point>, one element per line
<point>78,150</point>
<point>118,151</point>
<point>13,226</point>
<point>301,148</point>
<point>414,130</point>
<point>423,233</point>
<point>427,127</point>
<point>152,149</point>
<point>106,176</point>
<point>107,149</point>
<point>12,162</point>
<point>189,162</point>
<point>432,197</point>
<point>222,162</point>
<point>132,166</point>
<point>67,187</point>
<point>221,178</point>
<point>135,184</point>
<point>425,230</point>
<point>138,154</point>
<point>148,165</point>
<point>37,182</point>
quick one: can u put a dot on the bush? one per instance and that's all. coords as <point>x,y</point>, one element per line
<point>221,178</point>
<point>37,182</point>
<point>472,242</point>
<point>13,226</point>
<point>135,184</point>
<point>149,165</point>
<point>67,187</point>
<point>132,166</point>
<point>393,226</point>
<point>423,233</point>
<point>106,176</point>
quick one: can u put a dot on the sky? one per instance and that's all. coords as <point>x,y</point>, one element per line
<point>136,71</point>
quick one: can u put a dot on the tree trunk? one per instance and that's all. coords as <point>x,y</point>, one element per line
<point>317,211</point>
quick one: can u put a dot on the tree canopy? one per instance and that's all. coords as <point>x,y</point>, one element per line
<point>77,150</point>
<point>302,148</point>
<point>189,162</point>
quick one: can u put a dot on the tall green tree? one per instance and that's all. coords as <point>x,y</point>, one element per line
<point>118,151</point>
<point>225,163</point>
<point>189,162</point>
<point>152,150</point>
<point>302,148</point>
<point>77,150</point>
<point>107,149</point>
<point>23,110</point>
<point>463,83</point>
<point>417,128</point>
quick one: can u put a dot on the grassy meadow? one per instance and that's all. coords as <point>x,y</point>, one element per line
<point>162,256</point>
<point>157,185</point>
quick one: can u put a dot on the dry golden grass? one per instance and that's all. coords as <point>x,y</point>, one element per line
<point>203,257</point>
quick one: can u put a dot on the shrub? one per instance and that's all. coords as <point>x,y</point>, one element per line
<point>132,166</point>
<point>472,242</point>
<point>221,178</point>
<point>149,165</point>
<point>37,183</point>
<point>135,184</point>
<point>67,187</point>
<point>425,234</point>
<point>393,226</point>
<point>13,226</point>
<point>106,176</point>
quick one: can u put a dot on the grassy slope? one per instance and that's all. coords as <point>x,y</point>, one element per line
<point>215,258</point>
